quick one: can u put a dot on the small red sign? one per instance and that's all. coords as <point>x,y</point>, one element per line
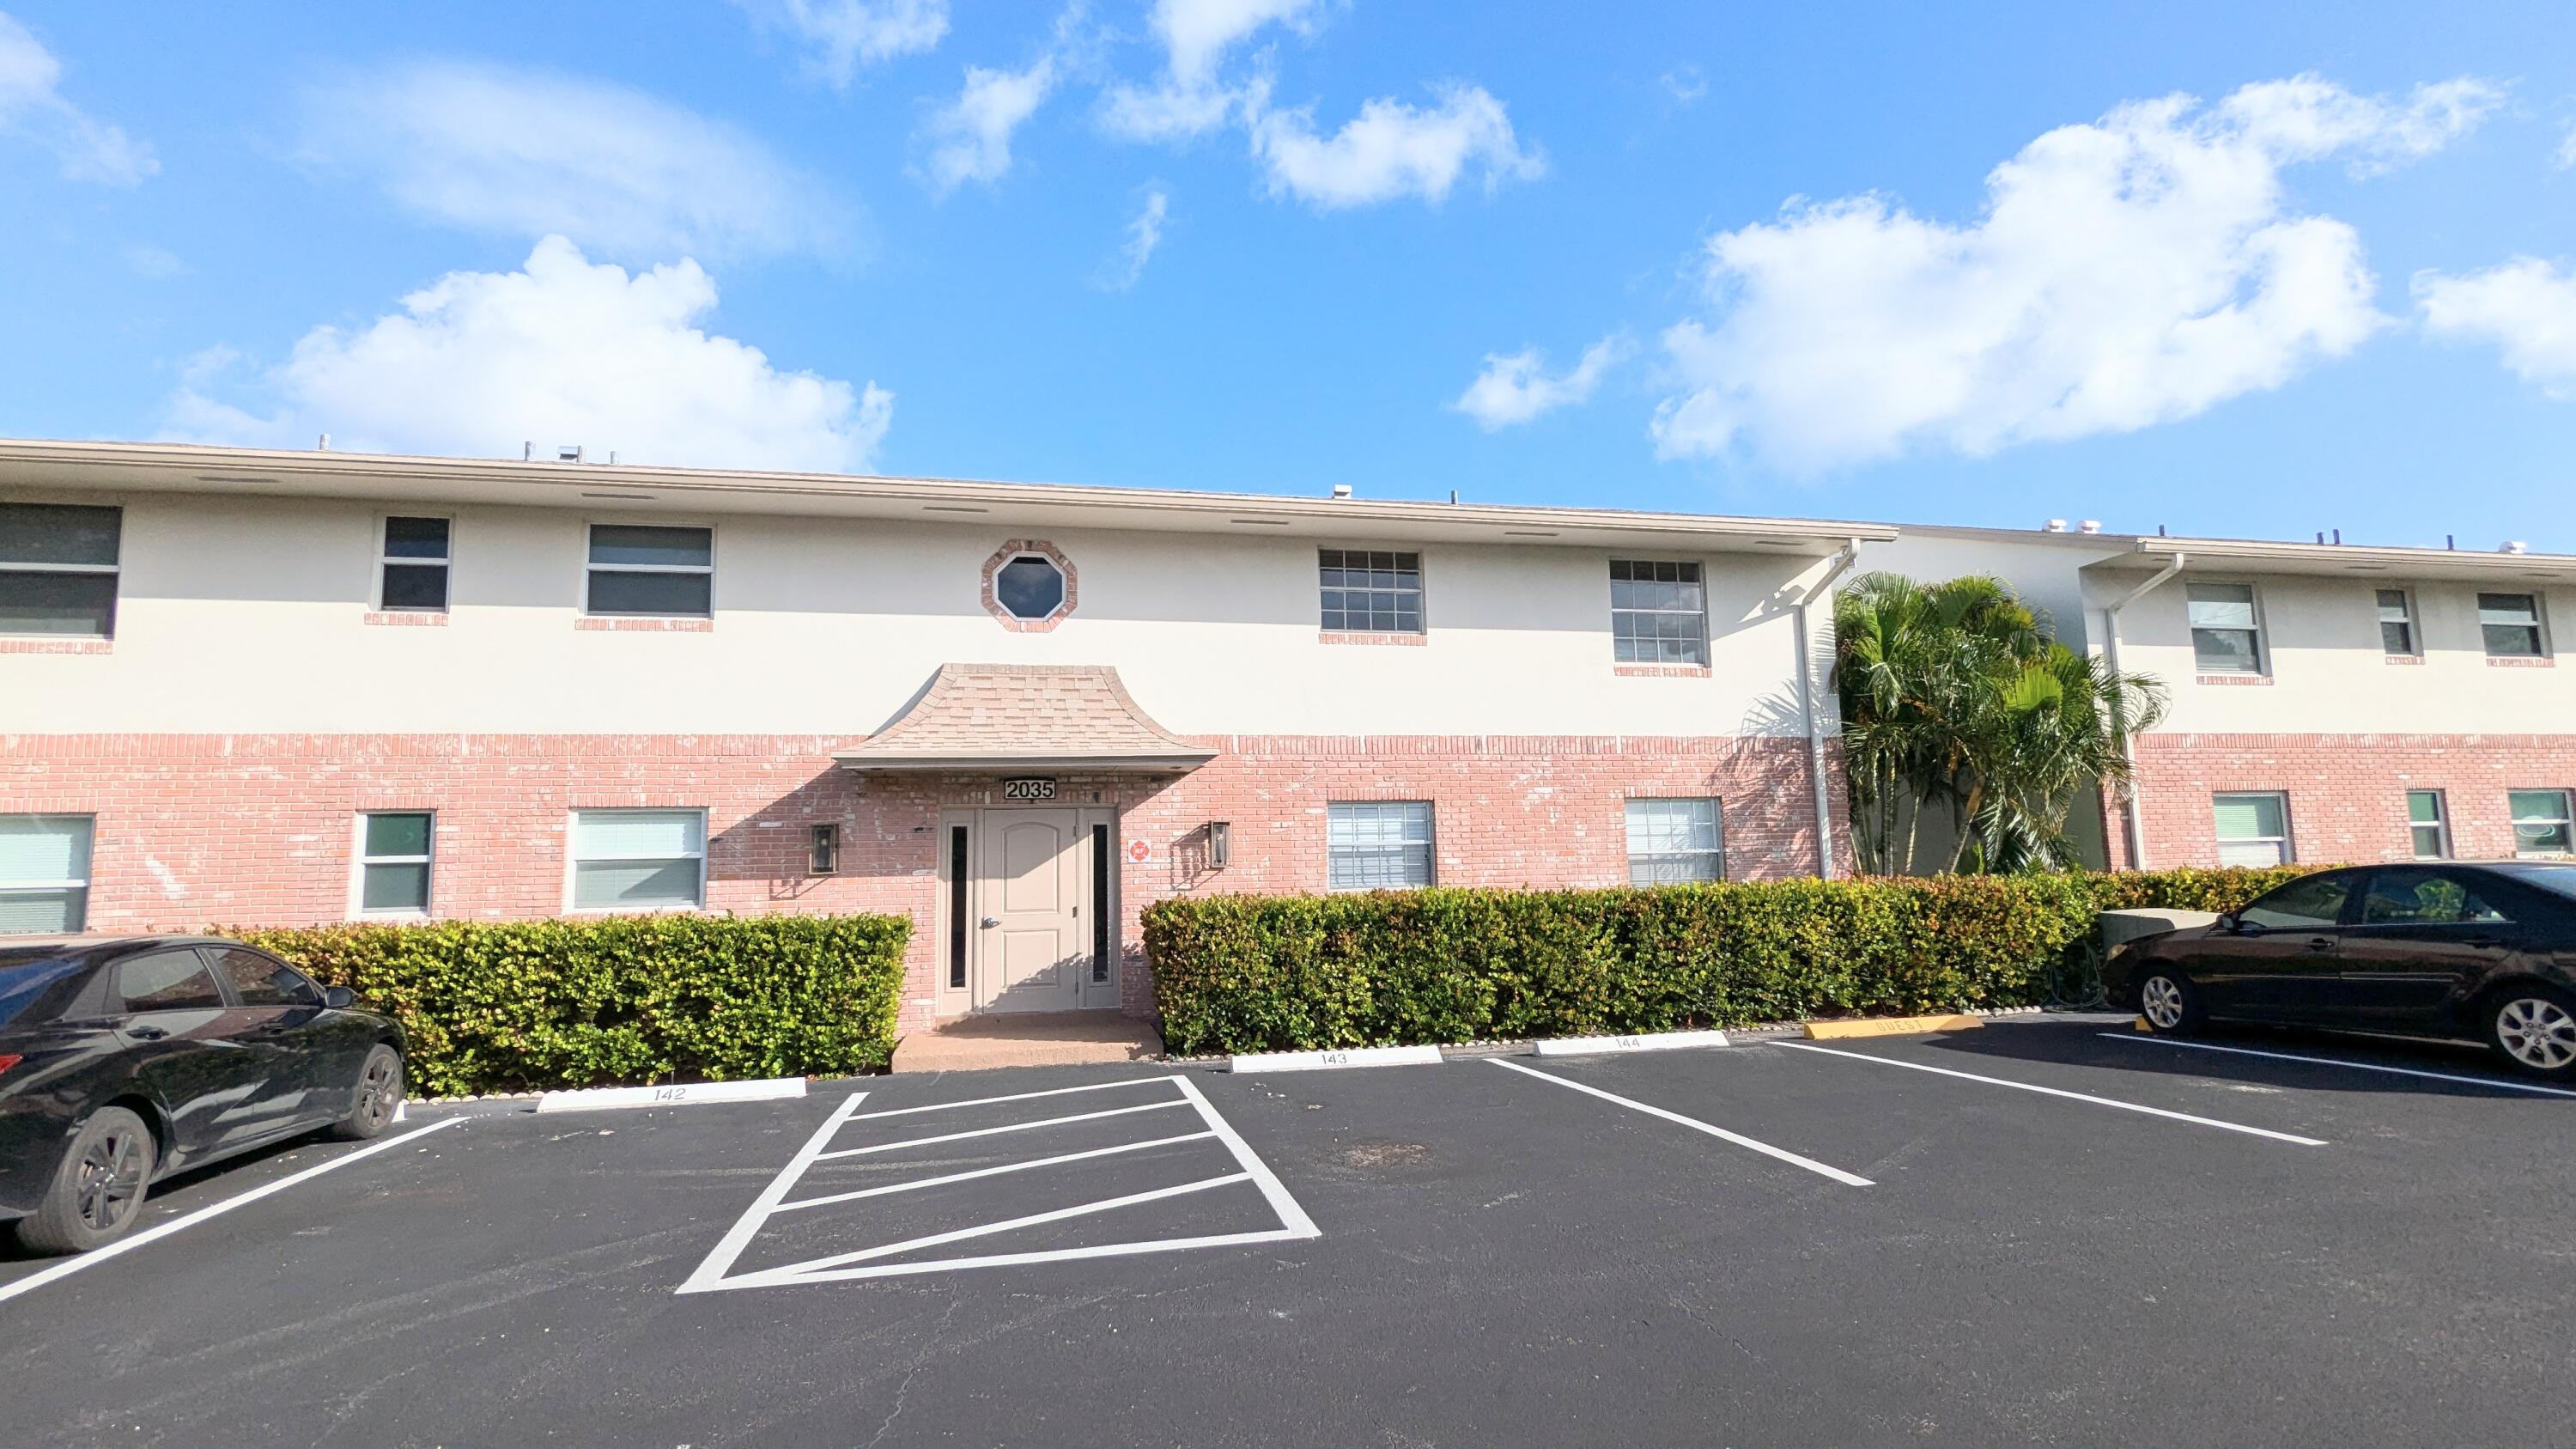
<point>1139,852</point>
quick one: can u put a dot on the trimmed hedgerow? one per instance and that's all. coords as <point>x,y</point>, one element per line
<point>1275,973</point>
<point>516,1005</point>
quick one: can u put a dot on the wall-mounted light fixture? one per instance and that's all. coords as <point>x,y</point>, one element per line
<point>1220,844</point>
<point>827,850</point>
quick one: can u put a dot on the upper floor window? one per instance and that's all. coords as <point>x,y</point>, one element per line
<point>411,571</point>
<point>1371,593</point>
<point>1658,612</point>
<point>1674,841</point>
<point>2396,622</point>
<point>2542,823</point>
<point>652,570</point>
<point>2226,634</point>
<point>58,569</point>
<point>2253,828</point>
<point>1378,844</point>
<point>2511,624</point>
<point>44,874</point>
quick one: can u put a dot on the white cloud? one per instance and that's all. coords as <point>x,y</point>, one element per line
<point>1197,35</point>
<point>2527,308</point>
<point>1515,388</point>
<point>1144,234</point>
<point>1686,84</point>
<point>841,35</point>
<point>566,351</point>
<point>157,263</point>
<point>2566,156</point>
<point>972,134</point>
<point>2126,272</point>
<point>528,153</point>
<point>1391,150</point>
<point>32,106</point>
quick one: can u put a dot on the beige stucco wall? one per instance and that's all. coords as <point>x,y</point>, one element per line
<point>242,614</point>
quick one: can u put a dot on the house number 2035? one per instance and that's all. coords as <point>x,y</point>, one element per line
<point>1028,789</point>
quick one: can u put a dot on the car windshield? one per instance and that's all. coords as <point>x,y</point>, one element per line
<point>2558,880</point>
<point>22,982</point>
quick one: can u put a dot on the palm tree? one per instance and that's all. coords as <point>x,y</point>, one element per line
<point>1954,695</point>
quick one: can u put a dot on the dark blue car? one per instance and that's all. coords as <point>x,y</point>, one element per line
<point>123,1061</point>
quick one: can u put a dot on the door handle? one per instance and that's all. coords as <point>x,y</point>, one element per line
<point>2321,943</point>
<point>145,1033</point>
<point>989,922</point>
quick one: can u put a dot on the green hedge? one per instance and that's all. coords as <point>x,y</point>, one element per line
<point>509,1006</point>
<point>1253,973</point>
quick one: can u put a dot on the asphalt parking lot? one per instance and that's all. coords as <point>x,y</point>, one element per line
<point>2049,1230</point>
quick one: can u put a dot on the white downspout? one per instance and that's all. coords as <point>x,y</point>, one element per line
<point>2128,750</point>
<point>1807,690</point>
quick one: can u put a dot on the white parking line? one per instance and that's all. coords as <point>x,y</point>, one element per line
<point>1007,1167</point>
<point>2500,1083</point>
<point>1693,1123</point>
<point>796,1271</point>
<point>96,1256</point>
<point>998,1131</point>
<point>1013,1097</point>
<point>2059,1092</point>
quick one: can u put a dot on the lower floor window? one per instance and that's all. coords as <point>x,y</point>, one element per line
<point>2541,823</point>
<point>2429,824</point>
<point>1673,842</point>
<point>2254,829</point>
<point>393,863</point>
<point>1378,845</point>
<point>44,874</point>
<point>638,860</point>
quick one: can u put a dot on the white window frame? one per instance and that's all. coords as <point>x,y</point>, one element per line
<point>2414,621</point>
<point>1699,640</point>
<point>2440,825</point>
<point>2539,621</point>
<point>2565,819</point>
<point>1064,587</point>
<point>1716,854</point>
<point>359,860</point>
<point>590,525</point>
<point>2287,839</point>
<point>2262,630</point>
<point>1430,843</point>
<point>384,559</point>
<point>116,570</point>
<point>573,858</point>
<point>49,887</point>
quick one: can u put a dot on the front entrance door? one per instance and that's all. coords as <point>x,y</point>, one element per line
<point>1034,946</point>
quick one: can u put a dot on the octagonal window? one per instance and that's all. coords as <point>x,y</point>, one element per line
<point>1029,587</point>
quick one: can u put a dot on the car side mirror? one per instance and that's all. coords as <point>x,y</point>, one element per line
<point>337,997</point>
<point>2231,925</point>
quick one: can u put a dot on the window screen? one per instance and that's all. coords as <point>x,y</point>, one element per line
<point>2511,625</point>
<point>2540,822</point>
<point>2428,824</point>
<point>2396,622</point>
<point>2225,638</point>
<point>44,874</point>
<point>58,569</point>
<point>651,570</point>
<point>1371,593</point>
<point>1671,842</point>
<point>1658,612</point>
<point>414,566</point>
<point>393,863</point>
<point>2253,829</point>
<point>1378,845</point>
<point>638,860</point>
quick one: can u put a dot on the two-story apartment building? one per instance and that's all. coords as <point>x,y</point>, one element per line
<point>244,687</point>
<point>257,687</point>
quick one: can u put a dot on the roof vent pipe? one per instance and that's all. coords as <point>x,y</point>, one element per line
<point>1341,490</point>
<point>568,453</point>
<point>2338,533</point>
<point>2514,545</point>
<point>2090,525</point>
<point>2055,525</point>
<point>324,445</point>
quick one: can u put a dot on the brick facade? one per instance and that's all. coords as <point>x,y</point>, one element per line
<point>198,830</point>
<point>2347,792</point>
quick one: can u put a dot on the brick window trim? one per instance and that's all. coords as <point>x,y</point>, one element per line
<point>1661,671</point>
<point>57,646</point>
<point>404,619</point>
<point>2239,681</point>
<point>1024,548</point>
<point>2402,658</point>
<point>1335,636</point>
<point>2517,662</point>
<point>625,624</point>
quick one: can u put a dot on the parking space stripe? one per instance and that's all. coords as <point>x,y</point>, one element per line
<point>1056,1215</point>
<point>2500,1083</point>
<point>997,1131</point>
<point>710,1273</point>
<point>1693,1123</point>
<point>2060,1092</point>
<point>992,1171</point>
<point>1292,1218</point>
<point>96,1256</point>
<point>1013,1097</point>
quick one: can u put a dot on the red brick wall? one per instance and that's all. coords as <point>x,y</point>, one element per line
<point>197,830</point>
<point>2347,792</point>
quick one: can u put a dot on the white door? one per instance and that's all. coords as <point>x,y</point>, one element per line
<point>1034,944</point>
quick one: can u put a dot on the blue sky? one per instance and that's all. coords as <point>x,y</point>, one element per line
<point>1837,260</point>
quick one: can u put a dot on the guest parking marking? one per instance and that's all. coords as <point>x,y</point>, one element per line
<point>716,1272</point>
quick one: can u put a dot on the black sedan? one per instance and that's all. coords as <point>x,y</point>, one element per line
<point>2483,952</point>
<point>123,1061</point>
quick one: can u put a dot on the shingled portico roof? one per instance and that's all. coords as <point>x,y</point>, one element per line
<point>1051,716</point>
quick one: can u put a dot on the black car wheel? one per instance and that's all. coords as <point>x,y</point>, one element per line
<point>97,1193</point>
<point>2167,1002</point>
<point>373,1101</point>
<point>2534,1028</point>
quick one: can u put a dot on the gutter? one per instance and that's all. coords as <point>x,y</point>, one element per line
<point>1843,560</point>
<point>2128,750</point>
